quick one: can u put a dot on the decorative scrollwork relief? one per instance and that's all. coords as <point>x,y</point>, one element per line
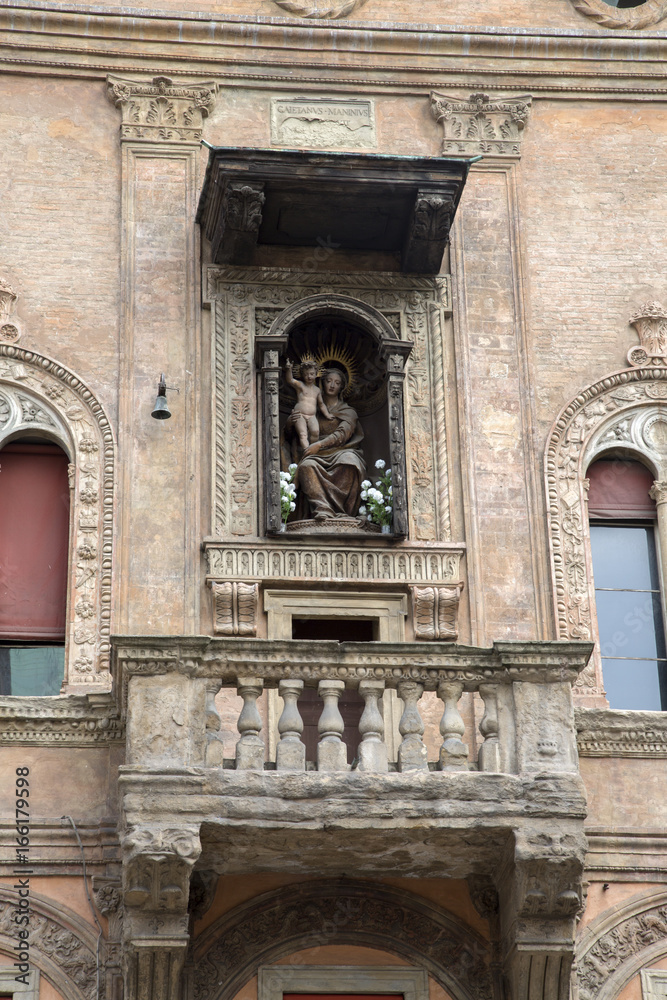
<point>163,110</point>
<point>643,16</point>
<point>621,409</point>
<point>38,393</point>
<point>236,606</point>
<point>340,913</point>
<point>10,330</point>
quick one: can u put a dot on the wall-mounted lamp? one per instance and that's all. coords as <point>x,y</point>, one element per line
<point>161,411</point>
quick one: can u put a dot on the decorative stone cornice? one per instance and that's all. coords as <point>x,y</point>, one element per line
<point>163,110</point>
<point>481,124</point>
<point>72,721</point>
<point>650,322</point>
<point>201,657</point>
<point>320,8</point>
<point>605,733</point>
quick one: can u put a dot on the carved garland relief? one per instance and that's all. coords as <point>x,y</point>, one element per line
<point>320,8</point>
<point>627,409</point>
<point>37,394</point>
<point>643,16</point>
<point>247,304</point>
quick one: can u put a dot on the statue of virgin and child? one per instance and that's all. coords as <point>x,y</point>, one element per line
<point>323,436</point>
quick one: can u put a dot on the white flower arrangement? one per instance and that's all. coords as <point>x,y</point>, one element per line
<point>378,503</point>
<point>287,492</point>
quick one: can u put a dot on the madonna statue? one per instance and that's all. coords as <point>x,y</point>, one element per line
<point>331,468</point>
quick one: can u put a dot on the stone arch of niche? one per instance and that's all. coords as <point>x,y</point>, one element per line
<point>61,944</point>
<point>277,923</point>
<point>628,411</point>
<point>392,350</point>
<point>619,943</point>
<point>41,397</point>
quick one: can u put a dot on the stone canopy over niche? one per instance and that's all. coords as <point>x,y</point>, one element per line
<point>401,206</point>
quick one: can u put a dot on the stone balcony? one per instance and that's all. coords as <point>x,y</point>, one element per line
<point>526,764</point>
<point>512,817</point>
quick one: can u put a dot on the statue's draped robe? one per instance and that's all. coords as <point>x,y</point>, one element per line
<point>329,483</point>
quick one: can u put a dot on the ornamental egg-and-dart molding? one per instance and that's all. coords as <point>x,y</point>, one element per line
<point>320,8</point>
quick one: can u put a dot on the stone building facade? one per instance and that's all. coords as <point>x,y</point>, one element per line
<point>246,759</point>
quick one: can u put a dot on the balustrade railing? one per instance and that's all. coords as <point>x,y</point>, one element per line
<point>525,689</point>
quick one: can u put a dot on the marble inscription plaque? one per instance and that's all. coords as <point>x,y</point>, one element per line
<point>327,123</point>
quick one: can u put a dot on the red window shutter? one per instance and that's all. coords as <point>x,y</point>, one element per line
<point>34,542</point>
<point>620,489</point>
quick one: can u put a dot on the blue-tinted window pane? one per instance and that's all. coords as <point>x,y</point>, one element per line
<point>630,624</point>
<point>32,670</point>
<point>632,684</point>
<point>624,557</point>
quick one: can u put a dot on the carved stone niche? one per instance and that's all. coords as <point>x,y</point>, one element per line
<point>360,363</point>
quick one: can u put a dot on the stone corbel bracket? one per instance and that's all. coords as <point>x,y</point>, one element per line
<point>235,607</point>
<point>435,612</point>
<point>10,330</point>
<point>162,110</point>
<point>481,124</point>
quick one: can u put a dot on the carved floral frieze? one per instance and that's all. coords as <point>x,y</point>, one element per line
<point>247,303</point>
<point>627,408</point>
<point>162,110</point>
<point>481,124</point>
<point>37,393</point>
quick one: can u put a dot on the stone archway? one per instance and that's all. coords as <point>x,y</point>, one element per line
<point>340,912</point>
<point>623,406</point>
<point>38,395</point>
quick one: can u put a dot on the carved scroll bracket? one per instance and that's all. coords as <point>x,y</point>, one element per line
<point>435,612</point>
<point>236,607</point>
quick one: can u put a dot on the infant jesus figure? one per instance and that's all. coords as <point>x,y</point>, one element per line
<point>303,417</point>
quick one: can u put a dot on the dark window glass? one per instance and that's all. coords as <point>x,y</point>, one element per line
<point>31,670</point>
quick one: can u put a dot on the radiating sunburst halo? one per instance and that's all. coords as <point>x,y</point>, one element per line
<point>340,357</point>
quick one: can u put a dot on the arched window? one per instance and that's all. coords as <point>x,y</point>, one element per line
<point>34,545</point>
<point>627,576</point>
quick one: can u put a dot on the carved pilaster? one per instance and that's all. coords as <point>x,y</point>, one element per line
<point>162,110</point>
<point>395,353</point>
<point>428,233</point>
<point>540,896</point>
<point>435,612</point>
<point>108,895</point>
<point>235,606</point>
<point>481,124</point>
<point>157,863</point>
<point>268,352</point>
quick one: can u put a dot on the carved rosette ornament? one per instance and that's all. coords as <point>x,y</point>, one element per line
<point>39,394</point>
<point>481,124</point>
<point>10,330</point>
<point>650,323</point>
<point>162,110</point>
<point>320,8</point>
<point>643,16</point>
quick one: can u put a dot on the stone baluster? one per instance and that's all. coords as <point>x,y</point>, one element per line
<point>331,751</point>
<point>291,752</point>
<point>453,752</point>
<point>250,747</point>
<point>214,748</point>
<point>412,754</point>
<point>489,752</point>
<point>373,749</point>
